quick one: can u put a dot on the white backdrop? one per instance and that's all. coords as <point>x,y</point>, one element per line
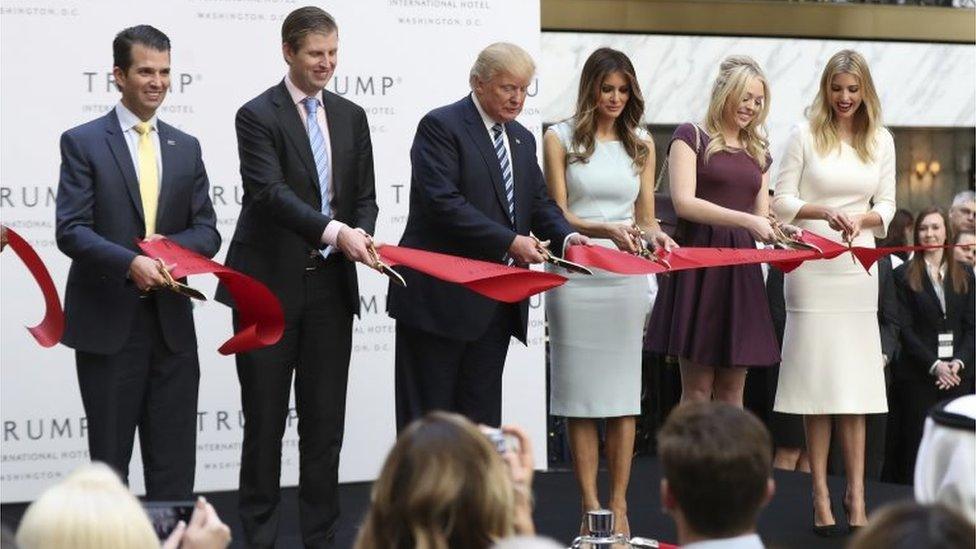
<point>397,58</point>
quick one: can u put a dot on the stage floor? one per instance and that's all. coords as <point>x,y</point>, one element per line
<point>784,524</point>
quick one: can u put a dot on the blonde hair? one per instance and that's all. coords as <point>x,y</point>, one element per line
<point>730,85</point>
<point>442,485</point>
<point>600,65</point>
<point>867,118</point>
<point>502,57</point>
<point>90,509</point>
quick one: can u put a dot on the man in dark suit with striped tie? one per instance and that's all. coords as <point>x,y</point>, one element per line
<point>309,206</point>
<point>476,191</point>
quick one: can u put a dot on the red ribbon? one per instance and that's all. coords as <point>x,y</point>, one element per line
<point>494,280</point>
<point>258,309</point>
<point>680,259</point>
<point>48,333</point>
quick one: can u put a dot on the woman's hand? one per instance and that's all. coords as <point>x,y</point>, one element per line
<point>760,228</point>
<point>521,469</point>
<point>945,377</point>
<point>659,239</point>
<point>840,221</point>
<point>624,236</point>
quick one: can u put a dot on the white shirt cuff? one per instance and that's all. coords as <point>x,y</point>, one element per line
<point>331,232</point>
<point>932,367</point>
<point>566,241</point>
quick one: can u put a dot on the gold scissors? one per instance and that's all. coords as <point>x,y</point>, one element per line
<point>176,286</point>
<point>384,268</point>
<point>645,251</point>
<point>540,246</point>
<point>786,242</point>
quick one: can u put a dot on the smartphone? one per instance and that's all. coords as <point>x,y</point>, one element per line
<point>503,442</point>
<point>165,515</point>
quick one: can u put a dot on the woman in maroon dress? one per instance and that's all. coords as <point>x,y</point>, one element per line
<point>716,320</point>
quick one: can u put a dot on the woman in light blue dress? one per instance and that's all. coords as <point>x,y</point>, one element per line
<point>600,170</point>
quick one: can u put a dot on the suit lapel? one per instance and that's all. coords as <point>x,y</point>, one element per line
<point>333,120</point>
<point>167,148</point>
<point>478,133</point>
<point>120,150</point>
<point>291,123</point>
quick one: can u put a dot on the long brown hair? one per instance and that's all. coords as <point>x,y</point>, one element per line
<point>443,485</point>
<point>601,64</point>
<point>916,265</point>
<point>867,118</point>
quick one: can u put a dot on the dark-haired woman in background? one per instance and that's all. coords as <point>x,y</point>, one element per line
<point>899,234</point>
<point>935,295</point>
<point>600,170</point>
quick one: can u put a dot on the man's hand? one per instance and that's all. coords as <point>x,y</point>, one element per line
<point>205,531</point>
<point>354,243</point>
<point>144,273</point>
<point>524,250</point>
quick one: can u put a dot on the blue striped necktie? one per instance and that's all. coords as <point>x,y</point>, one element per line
<point>506,166</point>
<point>321,156</point>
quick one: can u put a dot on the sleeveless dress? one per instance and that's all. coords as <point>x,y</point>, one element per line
<point>832,361</point>
<point>596,322</point>
<point>719,316</point>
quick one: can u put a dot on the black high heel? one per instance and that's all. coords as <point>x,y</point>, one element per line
<point>852,528</point>
<point>828,530</point>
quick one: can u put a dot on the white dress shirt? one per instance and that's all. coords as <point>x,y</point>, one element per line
<point>331,232</point>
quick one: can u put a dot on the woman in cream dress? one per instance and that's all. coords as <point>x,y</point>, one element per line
<point>837,179</point>
<point>600,170</point>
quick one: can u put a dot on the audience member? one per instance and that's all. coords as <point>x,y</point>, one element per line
<point>962,214</point>
<point>445,485</point>
<point>92,509</point>
<point>945,470</point>
<point>908,525</point>
<point>899,233</point>
<point>717,474</point>
<point>965,250</point>
<point>936,359</point>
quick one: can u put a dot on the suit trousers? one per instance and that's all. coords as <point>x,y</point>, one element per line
<point>439,373</point>
<point>315,348</point>
<point>144,386</point>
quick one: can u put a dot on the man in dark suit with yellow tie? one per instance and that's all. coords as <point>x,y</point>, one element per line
<point>124,177</point>
<point>309,206</point>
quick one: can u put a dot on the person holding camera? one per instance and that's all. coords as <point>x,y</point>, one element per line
<point>446,483</point>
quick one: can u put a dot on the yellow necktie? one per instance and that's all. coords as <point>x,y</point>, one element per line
<point>148,176</point>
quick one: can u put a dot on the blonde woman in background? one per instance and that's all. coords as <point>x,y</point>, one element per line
<point>716,321</point>
<point>837,179</point>
<point>92,509</point>
<point>445,486</point>
<point>600,171</point>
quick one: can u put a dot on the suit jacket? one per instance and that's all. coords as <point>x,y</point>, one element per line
<point>922,320</point>
<point>99,219</point>
<point>280,222</point>
<point>458,206</point>
<point>889,318</point>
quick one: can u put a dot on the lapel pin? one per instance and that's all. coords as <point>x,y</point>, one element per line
<point>170,142</point>
<point>517,142</point>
